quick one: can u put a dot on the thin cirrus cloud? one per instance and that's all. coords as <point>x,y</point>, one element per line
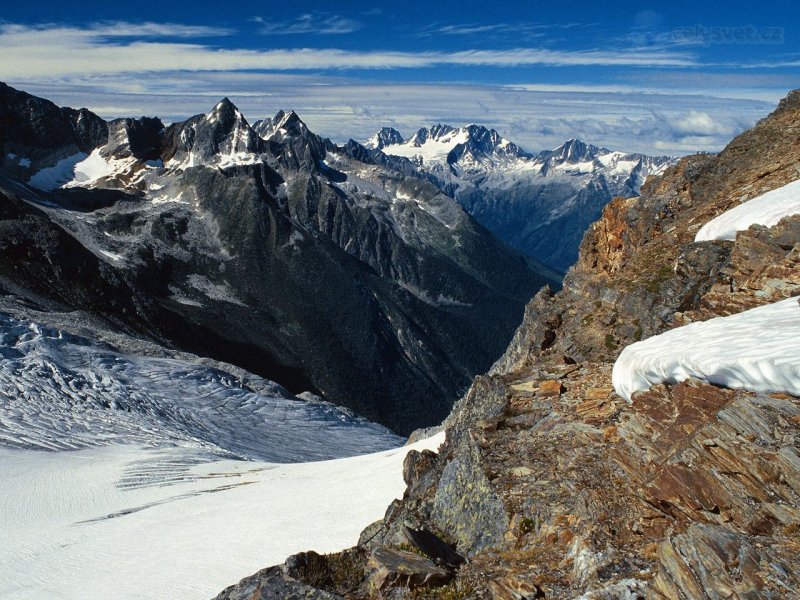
<point>478,29</point>
<point>59,51</point>
<point>536,117</point>
<point>309,23</point>
<point>108,30</point>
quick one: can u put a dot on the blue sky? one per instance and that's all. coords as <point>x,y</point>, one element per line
<point>671,79</point>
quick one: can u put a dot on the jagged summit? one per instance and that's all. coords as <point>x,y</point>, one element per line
<point>574,150</point>
<point>222,136</point>
<point>442,143</point>
<point>387,136</point>
<point>282,125</point>
<point>297,145</point>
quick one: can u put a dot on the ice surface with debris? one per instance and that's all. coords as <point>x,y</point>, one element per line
<point>757,350</point>
<point>63,392</point>
<point>766,209</point>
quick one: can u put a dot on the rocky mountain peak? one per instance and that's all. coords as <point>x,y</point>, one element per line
<point>484,144</point>
<point>297,146</point>
<point>221,136</point>
<point>574,150</point>
<point>138,138</point>
<point>35,133</point>
<point>435,133</point>
<point>387,136</point>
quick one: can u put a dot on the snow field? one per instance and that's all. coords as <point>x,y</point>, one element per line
<point>143,523</point>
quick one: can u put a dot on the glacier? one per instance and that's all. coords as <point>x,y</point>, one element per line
<point>141,477</point>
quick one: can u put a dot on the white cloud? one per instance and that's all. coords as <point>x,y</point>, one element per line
<point>108,29</point>
<point>60,50</point>
<point>697,123</point>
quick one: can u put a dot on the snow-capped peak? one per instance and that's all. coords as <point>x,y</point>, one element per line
<point>387,136</point>
<point>444,144</point>
<point>224,111</point>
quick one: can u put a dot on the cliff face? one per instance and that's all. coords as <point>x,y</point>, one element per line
<point>552,485</point>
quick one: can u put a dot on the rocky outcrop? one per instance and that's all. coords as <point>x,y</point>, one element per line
<point>37,134</point>
<point>566,491</point>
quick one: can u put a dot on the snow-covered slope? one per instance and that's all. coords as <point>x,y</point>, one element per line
<point>757,350</point>
<point>766,209</point>
<point>147,524</point>
<point>62,392</point>
<point>539,204</point>
<point>138,477</point>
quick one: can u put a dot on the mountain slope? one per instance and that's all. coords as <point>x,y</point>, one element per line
<point>310,264</point>
<point>539,204</point>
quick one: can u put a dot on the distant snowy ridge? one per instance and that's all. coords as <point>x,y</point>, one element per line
<point>766,209</point>
<point>757,350</point>
<point>540,204</point>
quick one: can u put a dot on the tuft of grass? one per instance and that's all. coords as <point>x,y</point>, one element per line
<point>455,590</point>
<point>609,342</point>
<point>527,525</point>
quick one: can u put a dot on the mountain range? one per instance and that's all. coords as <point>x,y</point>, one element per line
<point>540,204</point>
<point>326,268</point>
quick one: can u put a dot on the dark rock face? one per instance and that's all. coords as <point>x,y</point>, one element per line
<point>37,130</point>
<point>137,138</point>
<point>203,139</point>
<point>400,568</point>
<point>316,266</point>
<point>273,583</point>
<point>466,506</point>
<point>385,137</point>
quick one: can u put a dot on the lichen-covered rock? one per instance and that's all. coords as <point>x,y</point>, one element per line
<point>466,505</point>
<point>273,583</point>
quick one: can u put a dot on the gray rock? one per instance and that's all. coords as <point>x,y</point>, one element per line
<point>270,584</point>
<point>466,506</point>
<point>398,568</point>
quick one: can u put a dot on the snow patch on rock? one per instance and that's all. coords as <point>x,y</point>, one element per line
<point>766,209</point>
<point>50,178</point>
<point>757,350</point>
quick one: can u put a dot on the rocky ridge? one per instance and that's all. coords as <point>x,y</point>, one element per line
<point>551,486</point>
